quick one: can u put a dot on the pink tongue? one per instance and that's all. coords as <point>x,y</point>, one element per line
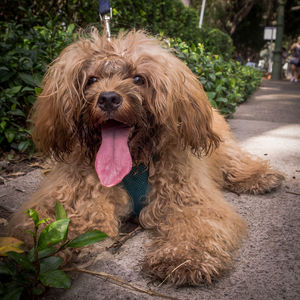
<point>113,160</point>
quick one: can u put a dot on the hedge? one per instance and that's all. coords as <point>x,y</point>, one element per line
<point>227,83</point>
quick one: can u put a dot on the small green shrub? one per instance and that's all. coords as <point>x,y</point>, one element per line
<point>217,42</point>
<point>26,275</point>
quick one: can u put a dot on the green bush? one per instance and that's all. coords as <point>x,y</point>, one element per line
<point>217,42</point>
<point>24,55</point>
<point>169,17</point>
<point>227,83</point>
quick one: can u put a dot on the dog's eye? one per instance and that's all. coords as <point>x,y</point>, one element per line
<point>138,80</point>
<point>92,80</point>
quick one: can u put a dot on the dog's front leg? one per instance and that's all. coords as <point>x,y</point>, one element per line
<point>195,231</point>
<point>88,204</point>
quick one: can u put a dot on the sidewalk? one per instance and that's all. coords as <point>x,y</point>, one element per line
<point>267,125</point>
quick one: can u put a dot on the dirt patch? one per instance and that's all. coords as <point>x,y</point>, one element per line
<point>13,165</point>
<point>18,164</point>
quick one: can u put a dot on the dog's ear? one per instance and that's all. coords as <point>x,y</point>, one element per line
<point>180,102</point>
<point>56,109</point>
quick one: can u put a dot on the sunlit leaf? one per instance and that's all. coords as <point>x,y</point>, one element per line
<point>5,249</point>
<point>53,233</point>
<point>42,221</point>
<point>60,212</point>
<point>33,215</point>
<point>10,244</point>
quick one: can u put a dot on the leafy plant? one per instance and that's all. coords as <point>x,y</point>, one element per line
<point>24,55</point>
<point>26,275</point>
<point>227,83</point>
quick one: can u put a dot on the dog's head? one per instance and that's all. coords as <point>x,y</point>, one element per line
<point>121,99</point>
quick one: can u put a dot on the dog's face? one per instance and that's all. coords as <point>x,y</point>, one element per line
<point>124,98</point>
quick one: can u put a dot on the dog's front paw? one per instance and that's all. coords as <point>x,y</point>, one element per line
<point>182,267</point>
<point>271,181</point>
<point>261,182</point>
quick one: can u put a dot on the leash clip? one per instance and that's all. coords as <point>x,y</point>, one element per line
<point>106,20</point>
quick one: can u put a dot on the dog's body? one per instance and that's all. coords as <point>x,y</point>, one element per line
<point>98,94</point>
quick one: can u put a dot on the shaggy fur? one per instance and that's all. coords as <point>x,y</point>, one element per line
<point>187,146</point>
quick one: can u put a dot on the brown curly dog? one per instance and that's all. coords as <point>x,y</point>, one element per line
<point>108,106</point>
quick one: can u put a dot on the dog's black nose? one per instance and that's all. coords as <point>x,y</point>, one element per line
<point>109,101</point>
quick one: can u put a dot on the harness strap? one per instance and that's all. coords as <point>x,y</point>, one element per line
<point>137,187</point>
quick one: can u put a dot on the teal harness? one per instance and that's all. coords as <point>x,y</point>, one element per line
<point>137,187</point>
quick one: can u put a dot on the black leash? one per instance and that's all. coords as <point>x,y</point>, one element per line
<point>105,13</point>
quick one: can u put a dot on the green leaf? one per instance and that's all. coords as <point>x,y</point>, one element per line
<point>46,252</point>
<point>53,233</point>
<point>211,95</point>
<point>28,89</point>
<point>70,28</point>
<point>17,112</point>
<point>212,76</point>
<point>28,79</point>
<point>13,294</point>
<point>41,254</point>
<point>50,263</point>
<point>3,70</point>
<point>3,124</point>
<point>222,100</point>
<point>60,212</point>
<point>56,278</point>
<point>213,103</point>
<point>21,260</point>
<point>13,91</point>
<point>33,215</point>
<point>43,221</point>
<point>38,91</point>
<point>10,135</point>
<point>23,146</point>
<point>87,238</point>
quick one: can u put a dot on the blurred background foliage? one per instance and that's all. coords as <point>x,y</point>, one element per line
<point>244,21</point>
<point>32,34</point>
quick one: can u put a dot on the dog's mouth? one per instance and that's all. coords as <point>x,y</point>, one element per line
<point>113,160</point>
